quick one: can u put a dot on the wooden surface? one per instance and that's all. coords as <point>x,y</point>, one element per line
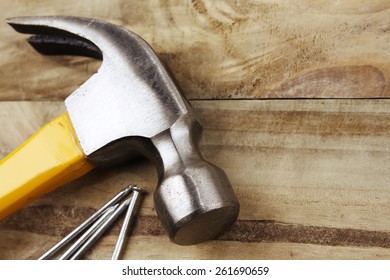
<point>222,49</point>
<point>312,175</point>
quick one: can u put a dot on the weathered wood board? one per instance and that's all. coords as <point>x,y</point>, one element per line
<point>221,49</point>
<point>311,175</point>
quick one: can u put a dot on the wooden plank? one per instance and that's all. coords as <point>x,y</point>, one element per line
<point>32,246</point>
<point>312,177</point>
<point>221,49</point>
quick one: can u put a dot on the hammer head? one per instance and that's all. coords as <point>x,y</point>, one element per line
<point>131,106</point>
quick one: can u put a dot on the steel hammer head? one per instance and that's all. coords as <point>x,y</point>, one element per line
<point>131,106</point>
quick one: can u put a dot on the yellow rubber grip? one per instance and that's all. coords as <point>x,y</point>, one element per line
<point>50,158</point>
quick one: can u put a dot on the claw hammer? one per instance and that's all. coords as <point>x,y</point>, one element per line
<point>130,107</point>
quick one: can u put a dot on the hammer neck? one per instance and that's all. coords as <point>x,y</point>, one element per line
<point>178,147</point>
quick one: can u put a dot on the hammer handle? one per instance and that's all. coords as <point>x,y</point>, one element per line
<point>48,159</point>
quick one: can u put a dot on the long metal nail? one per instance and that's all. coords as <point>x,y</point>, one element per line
<point>102,228</point>
<point>79,242</point>
<point>85,224</point>
<point>131,210</point>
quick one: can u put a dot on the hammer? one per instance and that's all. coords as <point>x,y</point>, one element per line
<point>130,107</point>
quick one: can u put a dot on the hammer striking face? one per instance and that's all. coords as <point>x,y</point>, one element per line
<point>130,107</point>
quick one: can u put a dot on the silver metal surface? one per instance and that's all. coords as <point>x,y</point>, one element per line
<point>101,229</point>
<point>130,107</point>
<point>79,242</point>
<point>85,224</point>
<point>131,95</point>
<point>131,211</point>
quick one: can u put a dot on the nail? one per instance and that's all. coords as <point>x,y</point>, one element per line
<point>85,224</point>
<point>79,242</point>
<point>131,210</point>
<point>102,228</point>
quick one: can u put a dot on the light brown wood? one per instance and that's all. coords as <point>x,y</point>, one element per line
<point>221,49</point>
<point>312,177</point>
<point>27,246</point>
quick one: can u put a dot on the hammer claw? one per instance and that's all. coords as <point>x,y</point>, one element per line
<point>57,45</point>
<point>53,41</point>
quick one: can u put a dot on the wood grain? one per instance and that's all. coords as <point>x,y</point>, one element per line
<point>59,220</point>
<point>221,49</point>
<point>30,245</point>
<point>311,175</point>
